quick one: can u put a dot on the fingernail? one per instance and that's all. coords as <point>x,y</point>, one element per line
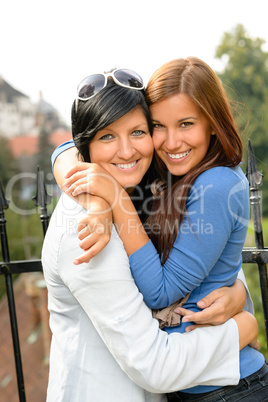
<point>185,319</point>
<point>201,303</point>
<point>76,262</point>
<point>177,310</point>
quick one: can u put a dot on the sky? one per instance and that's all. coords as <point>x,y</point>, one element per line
<point>48,47</point>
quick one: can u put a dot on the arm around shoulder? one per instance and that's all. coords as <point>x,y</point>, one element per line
<point>64,161</point>
<point>156,361</point>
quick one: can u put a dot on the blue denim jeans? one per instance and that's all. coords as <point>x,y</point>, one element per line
<point>253,388</point>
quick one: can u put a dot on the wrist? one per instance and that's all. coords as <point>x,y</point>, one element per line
<point>122,202</point>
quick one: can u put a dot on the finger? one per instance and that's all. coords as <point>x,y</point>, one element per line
<point>88,242</point>
<point>72,186</point>
<point>84,258</point>
<point>94,238</point>
<point>81,226</point>
<point>192,327</point>
<point>210,298</point>
<point>183,311</point>
<point>76,176</point>
<point>201,317</point>
<point>90,225</point>
<point>80,188</point>
<point>79,166</point>
<point>256,345</point>
<point>88,221</point>
<point>84,233</point>
<point>88,254</point>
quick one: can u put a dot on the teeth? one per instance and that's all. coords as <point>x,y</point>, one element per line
<point>126,165</point>
<point>178,156</point>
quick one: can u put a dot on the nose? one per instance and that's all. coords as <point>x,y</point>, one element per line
<point>173,139</point>
<point>126,150</point>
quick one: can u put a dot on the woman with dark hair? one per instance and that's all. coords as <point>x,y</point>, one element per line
<point>196,240</point>
<point>93,117</point>
<point>105,344</point>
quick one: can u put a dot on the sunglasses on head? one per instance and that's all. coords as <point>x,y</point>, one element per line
<point>94,83</point>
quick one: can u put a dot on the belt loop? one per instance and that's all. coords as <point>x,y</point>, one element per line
<point>247,382</point>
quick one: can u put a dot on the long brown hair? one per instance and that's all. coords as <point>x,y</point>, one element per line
<point>196,79</point>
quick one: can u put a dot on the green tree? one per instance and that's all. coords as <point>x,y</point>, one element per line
<point>7,163</point>
<point>245,77</point>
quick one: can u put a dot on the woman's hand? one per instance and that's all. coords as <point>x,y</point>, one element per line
<point>94,230</point>
<point>218,306</point>
<point>91,178</point>
<point>247,327</point>
<point>255,344</point>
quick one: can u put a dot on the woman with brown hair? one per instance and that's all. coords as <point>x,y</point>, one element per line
<point>199,216</point>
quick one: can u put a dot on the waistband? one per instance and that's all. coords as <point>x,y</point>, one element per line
<point>244,382</point>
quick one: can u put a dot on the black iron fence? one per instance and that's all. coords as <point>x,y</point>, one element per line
<point>9,268</point>
<point>257,255</point>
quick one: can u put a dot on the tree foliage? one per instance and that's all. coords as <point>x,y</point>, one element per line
<point>7,163</point>
<point>245,77</point>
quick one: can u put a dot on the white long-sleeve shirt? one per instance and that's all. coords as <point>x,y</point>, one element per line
<point>105,345</point>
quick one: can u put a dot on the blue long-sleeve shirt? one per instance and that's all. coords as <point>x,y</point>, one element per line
<point>207,253</point>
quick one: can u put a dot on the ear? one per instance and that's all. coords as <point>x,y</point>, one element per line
<point>212,131</point>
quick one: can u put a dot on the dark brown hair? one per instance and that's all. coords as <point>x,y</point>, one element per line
<point>198,81</point>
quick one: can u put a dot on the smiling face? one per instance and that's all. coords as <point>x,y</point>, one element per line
<point>124,148</point>
<point>181,133</point>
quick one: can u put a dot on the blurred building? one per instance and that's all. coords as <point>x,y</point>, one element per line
<point>27,145</point>
<point>46,116</point>
<point>17,113</point>
<point>20,116</point>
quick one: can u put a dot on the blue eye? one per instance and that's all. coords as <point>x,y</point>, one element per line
<point>138,133</point>
<point>157,125</point>
<point>186,124</point>
<point>106,137</point>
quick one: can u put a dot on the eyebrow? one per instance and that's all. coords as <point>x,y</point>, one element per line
<point>180,120</point>
<point>136,127</point>
<point>140,125</point>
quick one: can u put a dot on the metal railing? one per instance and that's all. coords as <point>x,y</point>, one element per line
<point>257,255</point>
<point>8,268</point>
